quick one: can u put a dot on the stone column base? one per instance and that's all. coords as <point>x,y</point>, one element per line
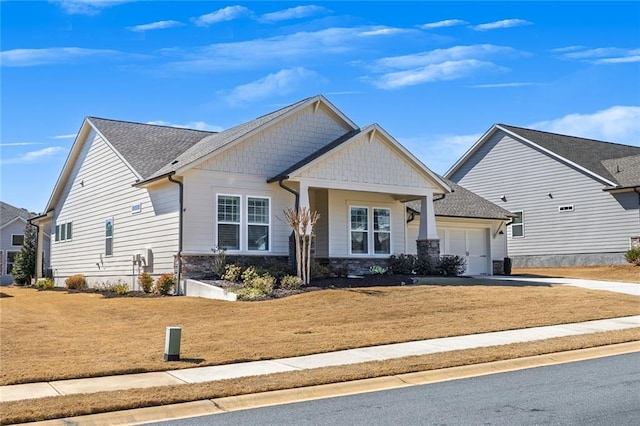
<point>428,249</point>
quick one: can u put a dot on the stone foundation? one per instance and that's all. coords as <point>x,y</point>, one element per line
<point>590,259</point>
<point>498,267</point>
<point>198,267</point>
<point>428,249</point>
<point>354,266</point>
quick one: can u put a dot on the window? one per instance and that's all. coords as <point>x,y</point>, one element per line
<point>63,231</point>
<point>258,224</point>
<point>11,257</point>
<point>568,208</point>
<point>359,230</point>
<point>17,239</point>
<point>108,237</point>
<point>517,225</point>
<point>381,231</point>
<point>229,222</point>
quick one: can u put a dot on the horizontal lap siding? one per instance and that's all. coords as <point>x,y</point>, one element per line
<point>600,223</point>
<point>99,188</point>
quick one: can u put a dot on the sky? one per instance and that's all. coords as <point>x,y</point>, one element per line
<point>435,75</point>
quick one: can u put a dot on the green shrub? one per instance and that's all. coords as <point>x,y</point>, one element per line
<point>164,284</point>
<point>402,264</point>
<point>264,283</point>
<point>290,282</point>
<point>319,271</point>
<point>145,281</point>
<point>378,270</point>
<point>249,274</point>
<point>249,293</point>
<point>76,282</point>
<point>121,288</point>
<point>45,283</point>
<point>425,266</point>
<point>232,273</point>
<point>633,256</point>
<point>453,265</point>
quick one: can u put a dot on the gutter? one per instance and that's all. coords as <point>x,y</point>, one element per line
<point>180,228</point>
<point>291,190</point>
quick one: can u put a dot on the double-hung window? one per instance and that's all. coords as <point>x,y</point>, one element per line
<point>366,239</point>
<point>63,231</point>
<point>517,225</point>
<point>243,222</point>
<point>108,237</point>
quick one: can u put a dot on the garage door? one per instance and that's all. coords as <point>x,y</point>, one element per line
<point>470,244</point>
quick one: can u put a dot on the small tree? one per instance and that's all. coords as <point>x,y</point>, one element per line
<point>302,221</point>
<point>24,265</point>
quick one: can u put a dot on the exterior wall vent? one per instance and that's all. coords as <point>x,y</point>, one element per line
<point>566,208</point>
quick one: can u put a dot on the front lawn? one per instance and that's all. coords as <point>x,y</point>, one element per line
<point>49,335</point>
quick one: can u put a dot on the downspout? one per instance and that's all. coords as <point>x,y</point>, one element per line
<point>180,226</point>
<point>38,250</point>
<point>291,190</point>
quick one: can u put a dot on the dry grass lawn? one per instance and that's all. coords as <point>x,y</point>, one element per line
<point>624,273</point>
<point>48,335</point>
<point>76,405</point>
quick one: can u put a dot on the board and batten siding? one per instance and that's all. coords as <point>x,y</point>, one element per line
<point>537,184</point>
<point>100,187</point>
<point>277,147</point>
<point>200,197</point>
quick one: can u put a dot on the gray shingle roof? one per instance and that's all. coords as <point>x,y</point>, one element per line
<point>147,147</point>
<point>464,203</point>
<point>216,141</point>
<point>597,156</point>
<point>9,213</point>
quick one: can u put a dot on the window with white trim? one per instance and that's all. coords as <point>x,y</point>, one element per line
<point>363,238</point>
<point>258,215</point>
<point>17,239</point>
<point>108,237</point>
<point>11,258</point>
<point>517,225</point>
<point>229,222</point>
<point>64,231</point>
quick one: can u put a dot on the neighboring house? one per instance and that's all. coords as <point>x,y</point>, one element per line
<point>137,197</point>
<point>576,200</point>
<point>12,225</point>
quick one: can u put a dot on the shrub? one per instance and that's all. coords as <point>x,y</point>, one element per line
<point>232,273</point>
<point>249,274</point>
<point>633,256</point>
<point>164,284</point>
<point>76,282</point>
<point>24,264</point>
<point>145,281</point>
<point>378,270</point>
<point>425,266</point>
<point>45,283</point>
<point>218,261</point>
<point>453,265</point>
<point>402,264</point>
<point>319,271</point>
<point>120,288</point>
<point>249,293</point>
<point>263,283</point>
<point>290,282</point>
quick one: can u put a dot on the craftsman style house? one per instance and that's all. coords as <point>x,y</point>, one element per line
<point>576,201</point>
<point>134,197</point>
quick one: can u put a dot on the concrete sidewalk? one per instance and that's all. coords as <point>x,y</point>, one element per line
<point>345,357</point>
<point>616,287</point>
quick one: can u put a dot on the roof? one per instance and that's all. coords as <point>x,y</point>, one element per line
<point>463,203</point>
<point>147,147</point>
<point>615,162</point>
<point>9,213</point>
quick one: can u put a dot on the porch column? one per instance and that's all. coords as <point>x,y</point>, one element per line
<point>428,243</point>
<point>304,195</point>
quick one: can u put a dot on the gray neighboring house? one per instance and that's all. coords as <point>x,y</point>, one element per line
<point>13,220</point>
<point>576,201</point>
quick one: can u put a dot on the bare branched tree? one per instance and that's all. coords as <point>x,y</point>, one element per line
<point>302,221</point>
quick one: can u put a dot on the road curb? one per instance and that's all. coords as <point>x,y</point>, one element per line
<point>140,416</point>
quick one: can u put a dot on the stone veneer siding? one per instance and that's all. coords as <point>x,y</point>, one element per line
<point>354,266</point>
<point>199,266</point>
<point>498,267</point>
<point>428,249</point>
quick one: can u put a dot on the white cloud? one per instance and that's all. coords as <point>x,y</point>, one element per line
<point>441,55</point>
<point>33,156</point>
<point>601,55</point>
<point>443,24</point>
<point>274,50</point>
<point>54,55</point>
<point>281,83</point>
<point>382,31</point>
<point>505,23</point>
<point>228,13</point>
<point>86,7</point>
<point>297,12</point>
<point>618,123</point>
<point>19,144</point>
<point>193,125</point>
<point>69,136</point>
<point>159,25</point>
<point>449,70</point>
<point>500,85</point>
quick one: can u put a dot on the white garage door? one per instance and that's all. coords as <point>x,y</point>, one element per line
<point>470,244</point>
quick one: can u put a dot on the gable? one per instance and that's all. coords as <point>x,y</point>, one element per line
<point>368,158</point>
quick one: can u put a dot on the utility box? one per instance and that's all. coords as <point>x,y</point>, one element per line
<point>172,344</point>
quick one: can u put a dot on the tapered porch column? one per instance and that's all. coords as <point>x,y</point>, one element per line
<point>428,243</point>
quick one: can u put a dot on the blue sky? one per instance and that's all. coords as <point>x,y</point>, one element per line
<point>434,75</point>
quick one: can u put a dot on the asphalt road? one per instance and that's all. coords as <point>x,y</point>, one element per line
<point>604,391</point>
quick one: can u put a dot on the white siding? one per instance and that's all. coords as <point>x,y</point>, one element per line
<point>365,161</point>
<point>201,187</point>
<point>276,148</point>
<point>600,223</point>
<point>339,216</point>
<point>100,187</point>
